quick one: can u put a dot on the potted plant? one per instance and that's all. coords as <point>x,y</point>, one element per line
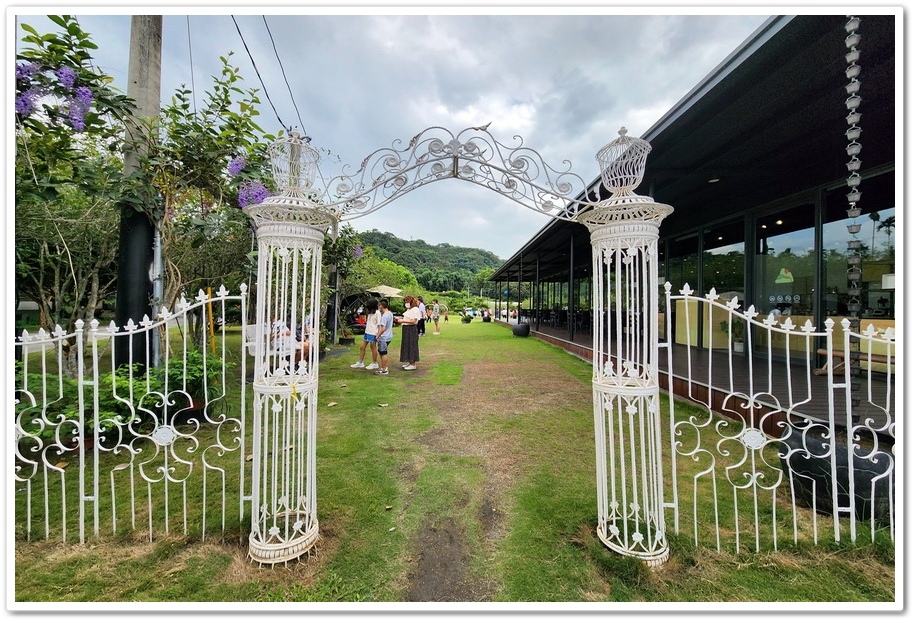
<point>346,337</point>
<point>466,318</point>
<point>736,327</point>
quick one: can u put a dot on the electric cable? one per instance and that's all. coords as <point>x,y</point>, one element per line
<point>253,64</point>
<point>283,72</point>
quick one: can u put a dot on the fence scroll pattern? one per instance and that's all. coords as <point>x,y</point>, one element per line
<point>806,450</point>
<point>153,449</point>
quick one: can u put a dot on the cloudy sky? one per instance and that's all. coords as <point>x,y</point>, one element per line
<point>362,78</point>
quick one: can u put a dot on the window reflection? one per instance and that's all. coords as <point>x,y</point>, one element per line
<point>866,283</point>
<point>785,270</point>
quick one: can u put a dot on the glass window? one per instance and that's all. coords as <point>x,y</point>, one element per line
<point>860,253</point>
<point>723,269</point>
<point>785,267</point>
<point>723,259</point>
<point>681,264</point>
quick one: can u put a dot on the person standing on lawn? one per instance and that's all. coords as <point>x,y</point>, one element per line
<point>434,315</point>
<point>370,336</point>
<point>421,323</point>
<point>410,338</point>
<point>384,335</point>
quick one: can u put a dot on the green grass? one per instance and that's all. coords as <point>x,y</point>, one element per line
<point>399,454</point>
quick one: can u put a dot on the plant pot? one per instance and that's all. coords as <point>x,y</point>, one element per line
<point>346,341</point>
<point>521,330</point>
<point>738,347</point>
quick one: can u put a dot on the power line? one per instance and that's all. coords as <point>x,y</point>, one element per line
<point>263,86</point>
<point>191,63</point>
<point>283,71</point>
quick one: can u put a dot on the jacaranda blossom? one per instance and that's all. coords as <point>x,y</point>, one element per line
<point>357,251</point>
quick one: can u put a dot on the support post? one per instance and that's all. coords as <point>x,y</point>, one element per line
<point>290,234</point>
<point>135,267</point>
<point>628,448</point>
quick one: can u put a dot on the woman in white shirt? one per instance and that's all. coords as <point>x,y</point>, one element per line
<point>370,336</point>
<point>410,338</point>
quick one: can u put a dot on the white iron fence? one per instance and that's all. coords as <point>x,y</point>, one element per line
<point>805,454</point>
<point>153,449</point>
<point>806,451</point>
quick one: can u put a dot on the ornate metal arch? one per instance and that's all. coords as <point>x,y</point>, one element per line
<point>624,236</point>
<point>473,155</point>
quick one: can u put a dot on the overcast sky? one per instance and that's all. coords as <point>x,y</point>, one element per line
<point>359,82</point>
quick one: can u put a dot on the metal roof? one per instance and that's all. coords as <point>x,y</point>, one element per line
<point>768,122</point>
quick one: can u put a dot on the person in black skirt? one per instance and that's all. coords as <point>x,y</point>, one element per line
<point>410,339</point>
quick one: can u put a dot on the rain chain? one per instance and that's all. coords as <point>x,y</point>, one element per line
<point>853,132</point>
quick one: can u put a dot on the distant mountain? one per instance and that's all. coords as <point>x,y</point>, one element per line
<point>418,255</point>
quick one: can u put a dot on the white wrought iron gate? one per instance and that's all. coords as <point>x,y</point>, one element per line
<point>792,437</point>
<point>157,450</point>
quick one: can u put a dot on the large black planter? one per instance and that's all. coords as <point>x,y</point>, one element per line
<point>814,482</point>
<point>521,330</point>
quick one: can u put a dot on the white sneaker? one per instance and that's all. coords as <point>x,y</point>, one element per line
<point>410,367</point>
<point>372,366</point>
<point>358,364</point>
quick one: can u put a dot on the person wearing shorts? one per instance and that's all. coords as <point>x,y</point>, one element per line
<point>370,337</point>
<point>384,335</point>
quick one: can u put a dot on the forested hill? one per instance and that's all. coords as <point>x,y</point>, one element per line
<point>418,254</point>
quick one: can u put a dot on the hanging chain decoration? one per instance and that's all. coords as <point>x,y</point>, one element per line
<point>853,132</point>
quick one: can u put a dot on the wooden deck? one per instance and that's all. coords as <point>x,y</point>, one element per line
<point>724,381</point>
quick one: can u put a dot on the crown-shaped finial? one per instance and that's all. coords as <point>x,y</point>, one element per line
<point>623,163</point>
<point>294,163</point>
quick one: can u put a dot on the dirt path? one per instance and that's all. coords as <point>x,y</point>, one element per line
<point>442,551</point>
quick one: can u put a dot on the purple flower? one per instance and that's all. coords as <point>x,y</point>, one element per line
<point>357,251</point>
<point>67,76</point>
<point>236,164</point>
<point>252,192</point>
<point>77,122</point>
<point>24,71</point>
<point>25,101</point>
<point>24,104</point>
<point>79,105</point>
<point>84,97</point>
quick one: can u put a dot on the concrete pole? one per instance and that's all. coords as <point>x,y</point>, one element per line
<point>135,266</point>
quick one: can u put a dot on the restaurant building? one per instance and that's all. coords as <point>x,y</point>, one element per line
<point>758,161</point>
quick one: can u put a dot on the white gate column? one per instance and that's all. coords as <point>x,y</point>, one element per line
<point>290,234</point>
<point>628,450</point>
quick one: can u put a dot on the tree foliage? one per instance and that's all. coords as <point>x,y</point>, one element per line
<point>437,267</point>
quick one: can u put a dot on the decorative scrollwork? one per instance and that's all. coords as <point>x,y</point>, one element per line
<point>474,155</point>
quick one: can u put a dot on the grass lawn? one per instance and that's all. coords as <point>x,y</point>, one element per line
<point>471,479</point>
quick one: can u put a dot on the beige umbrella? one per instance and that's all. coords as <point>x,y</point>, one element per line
<point>386,291</point>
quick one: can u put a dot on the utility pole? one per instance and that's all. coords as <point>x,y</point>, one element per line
<point>137,235</point>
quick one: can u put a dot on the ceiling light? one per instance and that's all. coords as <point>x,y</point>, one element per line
<point>713,180</point>
<point>779,222</point>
